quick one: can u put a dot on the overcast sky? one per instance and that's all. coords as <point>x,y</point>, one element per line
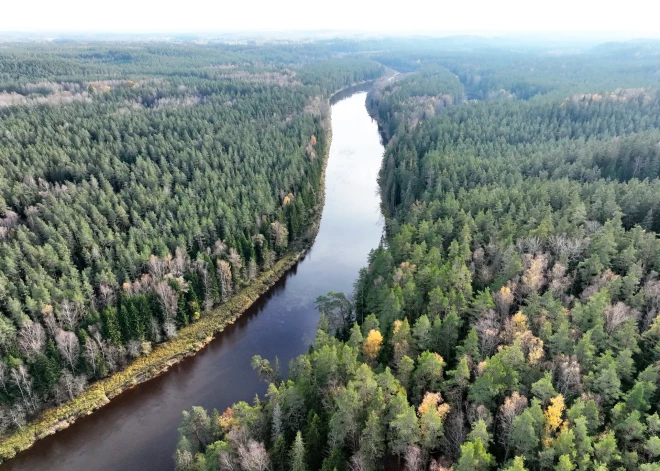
<point>639,17</point>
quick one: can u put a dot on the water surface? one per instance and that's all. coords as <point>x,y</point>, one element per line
<point>137,430</point>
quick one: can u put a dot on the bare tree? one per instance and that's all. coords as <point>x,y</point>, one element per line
<point>617,315</point>
<point>253,456</point>
<point>169,328</point>
<point>3,375</point>
<point>154,331</point>
<point>437,466</point>
<point>569,377</point>
<point>592,226</point>
<point>168,298</point>
<point>530,245</point>
<point>219,247</point>
<point>183,460</point>
<point>227,461</point>
<point>513,406</point>
<point>91,354</point>
<point>23,381</point>
<point>559,281</point>
<point>106,295</point>
<point>69,386</point>
<point>456,431</point>
<point>157,267</point>
<point>563,245</point>
<point>114,357</point>
<point>133,348</point>
<point>68,315</point>
<point>236,262</point>
<point>180,262</point>
<point>503,300</point>
<point>269,259</point>
<point>488,328</point>
<point>143,284</point>
<point>49,320</point>
<point>31,338</point>
<point>224,278</point>
<point>651,293</point>
<point>96,335</point>
<point>414,459</point>
<point>67,344</point>
<point>358,462</point>
<point>207,282</point>
<point>14,416</point>
<point>9,220</point>
<point>597,283</point>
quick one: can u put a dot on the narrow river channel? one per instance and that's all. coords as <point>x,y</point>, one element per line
<point>137,430</point>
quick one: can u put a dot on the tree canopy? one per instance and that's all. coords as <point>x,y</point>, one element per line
<point>511,314</point>
<point>140,186</point>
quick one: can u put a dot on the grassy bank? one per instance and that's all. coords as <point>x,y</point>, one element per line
<point>188,341</point>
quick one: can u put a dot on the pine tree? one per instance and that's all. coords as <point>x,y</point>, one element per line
<point>372,440</point>
<point>297,454</point>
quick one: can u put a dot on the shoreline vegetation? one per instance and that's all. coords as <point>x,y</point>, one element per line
<point>189,340</point>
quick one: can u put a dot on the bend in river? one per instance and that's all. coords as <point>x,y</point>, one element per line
<point>138,429</point>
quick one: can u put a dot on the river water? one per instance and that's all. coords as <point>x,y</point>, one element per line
<point>138,429</point>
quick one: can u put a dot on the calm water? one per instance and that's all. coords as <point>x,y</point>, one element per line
<point>137,430</point>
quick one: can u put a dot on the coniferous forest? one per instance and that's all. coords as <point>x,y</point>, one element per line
<point>140,186</point>
<point>510,318</point>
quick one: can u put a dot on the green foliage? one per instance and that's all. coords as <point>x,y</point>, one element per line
<point>518,464</point>
<point>474,456</point>
<point>163,179</point>
<point>298,454</point>
<point>404,431</point>
<point>195,428</point>
<point>520,193</point>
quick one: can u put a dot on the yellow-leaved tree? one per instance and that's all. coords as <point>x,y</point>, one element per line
<point>371,346</point>
<point>553,418</point>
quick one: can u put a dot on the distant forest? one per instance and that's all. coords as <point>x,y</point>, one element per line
<point>510,319</point>
<point>140,186</point>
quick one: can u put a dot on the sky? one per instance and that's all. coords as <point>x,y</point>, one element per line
<point>634,17</point>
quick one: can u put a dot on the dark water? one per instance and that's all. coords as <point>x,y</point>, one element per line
<point>137,430</point>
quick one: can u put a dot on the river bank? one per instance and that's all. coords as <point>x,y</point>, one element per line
<point>188,341</point>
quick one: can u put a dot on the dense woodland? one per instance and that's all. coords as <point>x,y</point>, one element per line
<point>510,320</point>
<point>140,186</point>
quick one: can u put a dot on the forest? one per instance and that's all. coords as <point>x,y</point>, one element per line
<point>510,318</point>
<point>141,186</point>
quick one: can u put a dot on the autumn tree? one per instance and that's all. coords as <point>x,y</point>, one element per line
<point>372,345</point>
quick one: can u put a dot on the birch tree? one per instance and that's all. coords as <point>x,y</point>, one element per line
<point>67,344</point>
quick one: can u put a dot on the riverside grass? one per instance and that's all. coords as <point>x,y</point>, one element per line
<point>189,340</point>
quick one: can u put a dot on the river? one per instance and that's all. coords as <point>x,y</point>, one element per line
<point>138,429</point>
